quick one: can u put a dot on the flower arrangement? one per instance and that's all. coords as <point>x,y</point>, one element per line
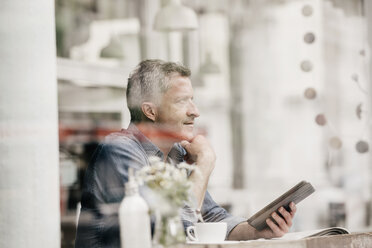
<point>171,189</point>
<point>169,181</point>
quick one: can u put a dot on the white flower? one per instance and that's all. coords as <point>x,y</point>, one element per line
<point>169,181</point>
<point>154,159</point>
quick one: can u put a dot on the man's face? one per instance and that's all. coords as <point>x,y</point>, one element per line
<point>177,110</point>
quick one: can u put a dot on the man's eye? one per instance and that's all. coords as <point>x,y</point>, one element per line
<point>182,100</point>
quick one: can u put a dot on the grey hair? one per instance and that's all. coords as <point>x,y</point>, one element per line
<point>148,81</point>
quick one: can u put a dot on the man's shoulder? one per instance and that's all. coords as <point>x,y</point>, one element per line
<point>118,148</point>
<point>121,141</point>
<point>122,138</point>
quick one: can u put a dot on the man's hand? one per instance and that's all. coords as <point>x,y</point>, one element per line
<point>244,231</point>
<point>199,151</point>
<point>282,225</point>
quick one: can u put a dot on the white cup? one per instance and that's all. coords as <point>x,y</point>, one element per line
<point>210,232</point>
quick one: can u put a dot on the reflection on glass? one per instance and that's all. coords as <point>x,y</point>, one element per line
<point>309,38</point>
<point>335,143</point>
<point>321,120</point>
<point>306,66</point>
<point>307,10</point>
<point>310,93</point>
<point>362,146</point>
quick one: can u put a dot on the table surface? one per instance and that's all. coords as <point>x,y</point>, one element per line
<point>354,240</point>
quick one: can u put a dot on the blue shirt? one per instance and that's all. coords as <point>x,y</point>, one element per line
<point>103,188</point>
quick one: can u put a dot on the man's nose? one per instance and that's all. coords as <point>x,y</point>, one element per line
<point>193,110</point>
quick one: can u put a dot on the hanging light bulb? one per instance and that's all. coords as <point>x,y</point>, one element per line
<point>175,17</point>
<point>335,143</point>
<point>321,120</point>
<point>307,10</point>
<point>310,93</point>
<point>362,146</point>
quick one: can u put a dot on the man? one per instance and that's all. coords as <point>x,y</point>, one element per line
<point>160,100</point>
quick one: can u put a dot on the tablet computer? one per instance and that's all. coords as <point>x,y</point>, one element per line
<point>296,194</point>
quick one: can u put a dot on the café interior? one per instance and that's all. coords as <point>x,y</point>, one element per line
<point>283,89</point>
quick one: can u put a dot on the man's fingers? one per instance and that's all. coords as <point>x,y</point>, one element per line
<point>287,216</point>
<point>293,208</point>
<point>184,143</point>
<point>189,157</point>
<point>281,222</point>
<point>276,230</point>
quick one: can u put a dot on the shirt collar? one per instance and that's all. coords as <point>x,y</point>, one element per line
<point>150,148</point>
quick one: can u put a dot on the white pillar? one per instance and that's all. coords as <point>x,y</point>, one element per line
<point>174,46</point>
<point>368,50</point>
<point>29,183</point>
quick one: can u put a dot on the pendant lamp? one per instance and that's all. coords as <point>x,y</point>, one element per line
<point>175,17</point>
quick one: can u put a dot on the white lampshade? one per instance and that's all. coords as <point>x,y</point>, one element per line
<point>175,17</point>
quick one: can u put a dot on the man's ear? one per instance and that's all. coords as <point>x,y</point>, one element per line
<point>149,110</point>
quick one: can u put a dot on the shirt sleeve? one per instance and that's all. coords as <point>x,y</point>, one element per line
<point>212,212</point>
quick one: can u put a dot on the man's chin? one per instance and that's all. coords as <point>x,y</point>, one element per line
<point>187,135</point>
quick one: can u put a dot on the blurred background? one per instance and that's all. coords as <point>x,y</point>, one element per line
<point>283,88</point>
